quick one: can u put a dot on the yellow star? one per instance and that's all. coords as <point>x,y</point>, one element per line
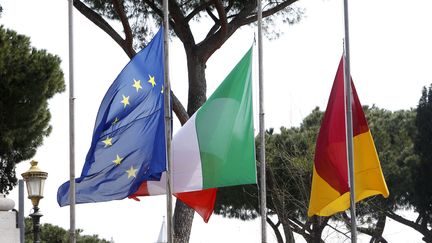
<point>131,172</point>
<point>118,160</point>
<point>116,120</point>
<point>125,101</point>
<point>162,90</point>
<point>107,141</point>
<point>137,85</point>
<point>152,81</point>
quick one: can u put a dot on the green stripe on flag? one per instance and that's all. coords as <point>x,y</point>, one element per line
<point>225,131</point>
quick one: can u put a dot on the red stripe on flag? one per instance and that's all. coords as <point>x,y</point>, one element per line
<point>201,201</point>
<point>142,191</point>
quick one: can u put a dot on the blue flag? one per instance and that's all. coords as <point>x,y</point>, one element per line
<point>128,145</point>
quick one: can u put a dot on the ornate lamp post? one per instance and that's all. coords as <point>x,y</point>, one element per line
<point>35,180</point>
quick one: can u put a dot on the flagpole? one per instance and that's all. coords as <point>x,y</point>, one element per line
<point>72,237</point>
<point>167,105</point>
<point>348,102</point>
<point>263,201</point>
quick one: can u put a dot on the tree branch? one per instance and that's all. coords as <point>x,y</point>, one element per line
<point>119,8</point>
<point>154,8</point>
<point>178,108</point>
<point>301,230</point>
<point>101,23</point>
<point>367,231</point>
<point>158,11</point>
<point>340,232</point>
<point>424,231</point>
<point>295,222</point>
<point>213,17</point>
<point>222,17</point>
<point>181,25</point>
<point>230,4</point>
<point>275,229</point>
<point>213,42</point>
<point>219,23</point>
<point>197,10</point>
<point>267,13</point>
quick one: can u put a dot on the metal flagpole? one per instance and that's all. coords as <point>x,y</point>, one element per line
<point>263,201</point>
<point>21,223</point>
<point>72,238</point>
<point>168,119</point>
<point>349,131</point>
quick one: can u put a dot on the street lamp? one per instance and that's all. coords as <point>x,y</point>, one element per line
<point>35,180</point>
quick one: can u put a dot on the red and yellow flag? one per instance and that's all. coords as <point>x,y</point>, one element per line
<point>330,191</point>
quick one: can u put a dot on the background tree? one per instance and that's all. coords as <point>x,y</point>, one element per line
<point>392,133</point>
<point>289,156</point>
<point>55,234</point>
<point>139,18</point>
<point>28,78</point>
<point>421,198</point>
<point>403,141</point>
<point>289,172</point>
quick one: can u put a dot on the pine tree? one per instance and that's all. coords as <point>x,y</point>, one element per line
<point>28,78</point>
<point>422,198</point>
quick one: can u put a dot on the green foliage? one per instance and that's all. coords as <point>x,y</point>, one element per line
<point>422,196</point>
<point>237,202</point>
<point>55,234</point>
<point>393,133</point>
<point>289,157</point>
<point>28,78</point>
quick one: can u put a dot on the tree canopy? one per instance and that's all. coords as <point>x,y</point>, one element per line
<point>55,234</point>
<point>139,20</point>
<point>28,78</point>
<point>421,198</point>
<point>289,172</point>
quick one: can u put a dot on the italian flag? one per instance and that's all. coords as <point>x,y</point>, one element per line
<point>330,191</point>
<point>216,147</point>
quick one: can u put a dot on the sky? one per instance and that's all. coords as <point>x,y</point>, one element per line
<point>391,59</point>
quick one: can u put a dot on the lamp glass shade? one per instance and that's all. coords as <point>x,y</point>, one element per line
<point>35,187</point>
<point>35,181</point>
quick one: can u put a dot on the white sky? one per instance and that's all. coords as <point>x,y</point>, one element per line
<point>391,59</point>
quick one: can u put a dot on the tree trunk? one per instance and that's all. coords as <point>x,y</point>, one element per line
<point>276,197</point>
<point>318,225</point>
<point>275,230</point>
<point>289,235</point>
<point>197,82</point>
<point>379,229</point>
<point>183,215</point>
<point>182,221</point>
<point>427,233</point>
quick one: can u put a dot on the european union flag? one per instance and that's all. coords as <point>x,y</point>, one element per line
<point>128,145</point>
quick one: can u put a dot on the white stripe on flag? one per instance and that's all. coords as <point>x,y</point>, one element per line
<point>187,171</point>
